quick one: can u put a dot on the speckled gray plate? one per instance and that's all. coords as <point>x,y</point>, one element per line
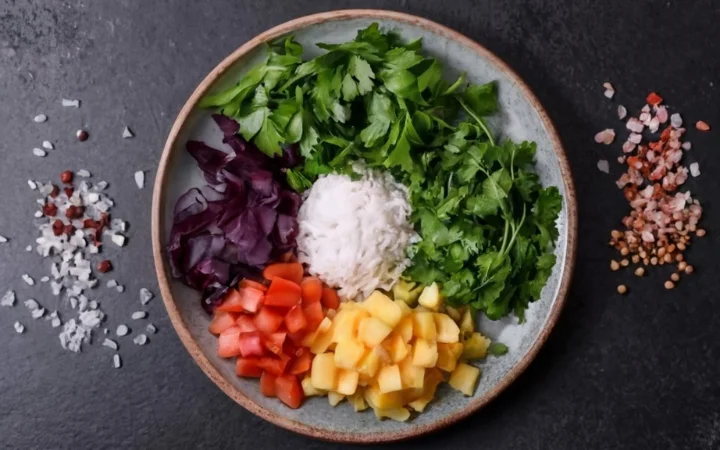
<point>522,118</point>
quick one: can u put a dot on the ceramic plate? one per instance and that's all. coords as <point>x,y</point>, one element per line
<point>522,118</point>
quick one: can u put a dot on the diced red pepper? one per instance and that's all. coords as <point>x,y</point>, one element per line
<point>274,342</point>
<point>312,289</point>
<point>292,271</point>
<point>222,321</point>
<point>275,366</point>
<point>267,384</point>
<point>248,367</point>
<point>229,343</point>
<point>268,321</point>
<point>251,344</point>
<point>330,298</point>
<point>289,391</point>
<point>295,319</point>
<point>314,315</point>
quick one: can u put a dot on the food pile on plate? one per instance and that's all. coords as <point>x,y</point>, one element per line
<point>361,216</point>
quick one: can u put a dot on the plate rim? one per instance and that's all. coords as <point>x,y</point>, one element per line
<point>160,254</point>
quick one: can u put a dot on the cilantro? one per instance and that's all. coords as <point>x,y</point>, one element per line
<point>497,349</point>
<point>487,226</point>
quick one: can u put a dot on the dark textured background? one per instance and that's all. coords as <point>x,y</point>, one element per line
<point>634,372</point>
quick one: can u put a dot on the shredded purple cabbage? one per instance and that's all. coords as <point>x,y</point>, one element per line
<point>244,218</point>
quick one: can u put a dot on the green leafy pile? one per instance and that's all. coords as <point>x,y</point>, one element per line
<point>487,224</point>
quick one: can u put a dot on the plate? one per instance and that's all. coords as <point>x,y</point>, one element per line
<point>521,118</point>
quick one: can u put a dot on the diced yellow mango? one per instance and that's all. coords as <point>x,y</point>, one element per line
<point>398,414</point>
<point>456,349</point>
<point>467,324</point>
<point>425,353</point>
<point>323,372</point>
<point>365,380</point>
<point>377,399</point>
<point>453,313</point>
<point>404,308</point>
<point>433,377</point>
<point>379,305</point>
<point>308,388</point>
<point>346,323</point>
<point>405,328</point>
<point>370,364</point>
<point>475,347</point>
<point>396,347</point>
<point>407,291</point>
<point>322,341</point>
<point>347,382</point>
<point>389,379</point>
<point>446,361</point>
<point>430,297</point>
<point>372,331</point>
<point>413,377</point>
<point>324,326</point>
<point>412,394</point>
<point>349,353</point>
<point>424,325</point>
<point>334,398</point>
<point>446,330</point>
<point>464,378</point>
<point>357,400</point>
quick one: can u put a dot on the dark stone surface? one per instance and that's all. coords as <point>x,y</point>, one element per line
<point>633,372</point>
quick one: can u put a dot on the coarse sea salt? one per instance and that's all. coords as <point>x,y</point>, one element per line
<point>28,279</point>
<point>8,299</point>
<point>70,103</point>
<point>40,118</point>
<point>39,152</point>
<point>122,330</point>
<point>603,166</point>
<point>145,296</point>
<point>116,361</point>
<point>150,328</point>
<point>137,315</point>
<point>140,179</point>
<point>140,339</point>
<point>47,145</point>
<point>3,239</point>
<point>19,328</point>
<point>127,134</point>
<point>110,344</point>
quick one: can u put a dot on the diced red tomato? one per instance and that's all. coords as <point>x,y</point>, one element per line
<point>232,302</point>
<point>275,366</point>
<point>251,298</point>
<point>229,343</point>
<point>251,344</point>
<point>314,315</point>
<point>252,284</point>
<point>289,391</point>
<point>267,384</point>
<point>283,293</point>
<point>301,364</point>
<point>248,367</point>
<point>222,321</point>
<point>330,298</point>
<point>245,323</point>
<point>297,337</point>
<point>274,342</point>
<point>311,290</point>
<point>292,271</point>
<point>268,321</point>
<point>295,319</point>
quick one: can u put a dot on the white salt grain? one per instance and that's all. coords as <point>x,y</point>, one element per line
<point>150,328</point>
<point>28,279</point>
<point>39,152</point>
<point>45,279</point>
<point>47,145</point>
<point>55,322</point>
<point>126,134</point>
<point>145,296</point>
<point>137,315</point>
<point>122,330</point>
<point>3,239</point>
<point>40,118</point>
<point>8,299</point>
<point>676,120</point>
<point>140,339</point>
<point>70,103</point>
<point>603,166</point>
<point>111,283</point>
<point>32,184</point>
<point>83,173</point>
<point>116,361</point>
<point>31,304</point>
<point>38,313</point>
<point>38,214</point>
<point>140,179</point>
<point>106,331</point>
<point>686,145</point>
<point>695,169</point>
<point>120,288</point>
<point>118,239</point>
<point>19,327</point>
<point>622,112</point>
<point>110,344</point>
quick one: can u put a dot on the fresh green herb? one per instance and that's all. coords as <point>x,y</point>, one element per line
<point>486,223</point>
<point>497,349</point>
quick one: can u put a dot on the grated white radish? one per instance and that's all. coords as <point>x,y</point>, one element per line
<point>354,235</point>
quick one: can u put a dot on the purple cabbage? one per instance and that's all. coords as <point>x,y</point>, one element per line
<point>244,218</point>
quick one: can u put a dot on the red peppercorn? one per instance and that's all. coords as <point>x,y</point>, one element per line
<point>82,135</point>
<point>49,209</point>
<point>69,229</point>
<point>66,177</point>
<point>58,227</point>
<point>69,191</point>
<point>74,212</point>
<point>55,191</point>
<point>89,223</point>
<point>104,266</point>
